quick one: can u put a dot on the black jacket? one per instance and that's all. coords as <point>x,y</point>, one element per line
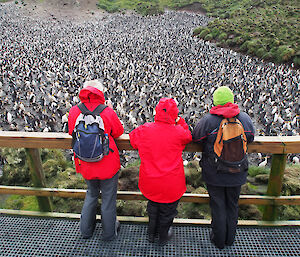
<point>205,133</point>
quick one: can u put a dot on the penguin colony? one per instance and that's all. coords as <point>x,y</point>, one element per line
<point>43,64</point>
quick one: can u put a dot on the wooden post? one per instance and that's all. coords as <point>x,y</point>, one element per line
<point>275,184</point>
<point>38,177</point>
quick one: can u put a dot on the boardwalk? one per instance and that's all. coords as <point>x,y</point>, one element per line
<point>24,236</point>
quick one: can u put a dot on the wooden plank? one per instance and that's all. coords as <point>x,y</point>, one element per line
<point>275,184</point>
<point>270,200</point>
<point>16,139</point>
<point>38,177</point>
<point>40,214</point>
<point>129,195</point>
<point>275,144</point>
<point>262,144</point>
<point>247,199</point>
<point>123,143</point>
<point>259,223</point>
<point>18,190</point>
<point>133,219</point>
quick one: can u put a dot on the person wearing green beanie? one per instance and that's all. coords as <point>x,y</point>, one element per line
<point>222,96</point>
<point>223,187</point>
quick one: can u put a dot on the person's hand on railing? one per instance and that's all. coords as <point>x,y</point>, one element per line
<point>109,103</point>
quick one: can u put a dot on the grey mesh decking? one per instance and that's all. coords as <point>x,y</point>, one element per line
<point>23,236</point>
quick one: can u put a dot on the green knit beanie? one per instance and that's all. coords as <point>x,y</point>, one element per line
<point>223,95</point>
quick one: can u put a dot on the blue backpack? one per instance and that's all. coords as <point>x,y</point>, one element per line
<point>89,141</point>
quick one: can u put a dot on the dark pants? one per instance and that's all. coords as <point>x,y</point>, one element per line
<point>224,212</point>
<point>161,217</point>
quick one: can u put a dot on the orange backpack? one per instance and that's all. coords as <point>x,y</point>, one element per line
<point>230,146</point>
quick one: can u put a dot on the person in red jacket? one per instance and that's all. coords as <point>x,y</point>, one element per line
<point>161,178</point>
<point>102,175</point>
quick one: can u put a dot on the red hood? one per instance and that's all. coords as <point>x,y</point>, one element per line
<point>91,94</point>
<point>228,110</point>
<point>166,111</point>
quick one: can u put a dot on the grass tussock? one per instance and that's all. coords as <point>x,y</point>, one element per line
<point>268,29</point>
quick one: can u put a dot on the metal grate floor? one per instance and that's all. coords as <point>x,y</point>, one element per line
<point>23,236</point>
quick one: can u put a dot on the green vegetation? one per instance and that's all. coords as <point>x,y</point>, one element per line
<point>60,173</point>
<point>144,7</point>
<point>19,202</point>
<point>291,186</point>
<point>16,171</point>
<point>255,170</point>
<point>268,29</point>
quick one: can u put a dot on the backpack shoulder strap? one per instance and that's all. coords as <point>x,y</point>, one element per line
<point>236,120</point>
<point>100,108</point>
<point>83,109</point>
<point>223,122</point>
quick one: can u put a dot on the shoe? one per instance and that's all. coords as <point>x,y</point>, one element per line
<point>164,240</point>
<point>211,237</point>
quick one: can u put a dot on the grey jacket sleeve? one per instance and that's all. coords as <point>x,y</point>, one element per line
<point>248,127</point>
<point>200,132</point>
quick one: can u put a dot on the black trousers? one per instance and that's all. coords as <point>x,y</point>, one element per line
<point>161,217</point>
<point>224,213</point>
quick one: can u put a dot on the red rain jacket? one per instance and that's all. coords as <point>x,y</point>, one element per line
<point>160,145</point>
<point>110,164</point>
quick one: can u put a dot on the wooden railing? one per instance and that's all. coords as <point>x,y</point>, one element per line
<point>278,146</point>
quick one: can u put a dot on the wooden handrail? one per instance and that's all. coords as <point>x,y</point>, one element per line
<point>130,195</point>
<point>261,144</point>
<point>177,221</point>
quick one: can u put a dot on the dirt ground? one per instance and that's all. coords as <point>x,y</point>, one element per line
<point>76,10</point>
<point>194,7</point>
<point>61,9</point>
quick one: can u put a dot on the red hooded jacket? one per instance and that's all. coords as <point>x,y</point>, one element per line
<point>110,164</point>
<point>160,145</point>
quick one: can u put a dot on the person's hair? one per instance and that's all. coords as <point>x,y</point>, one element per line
<point>94,83</point>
